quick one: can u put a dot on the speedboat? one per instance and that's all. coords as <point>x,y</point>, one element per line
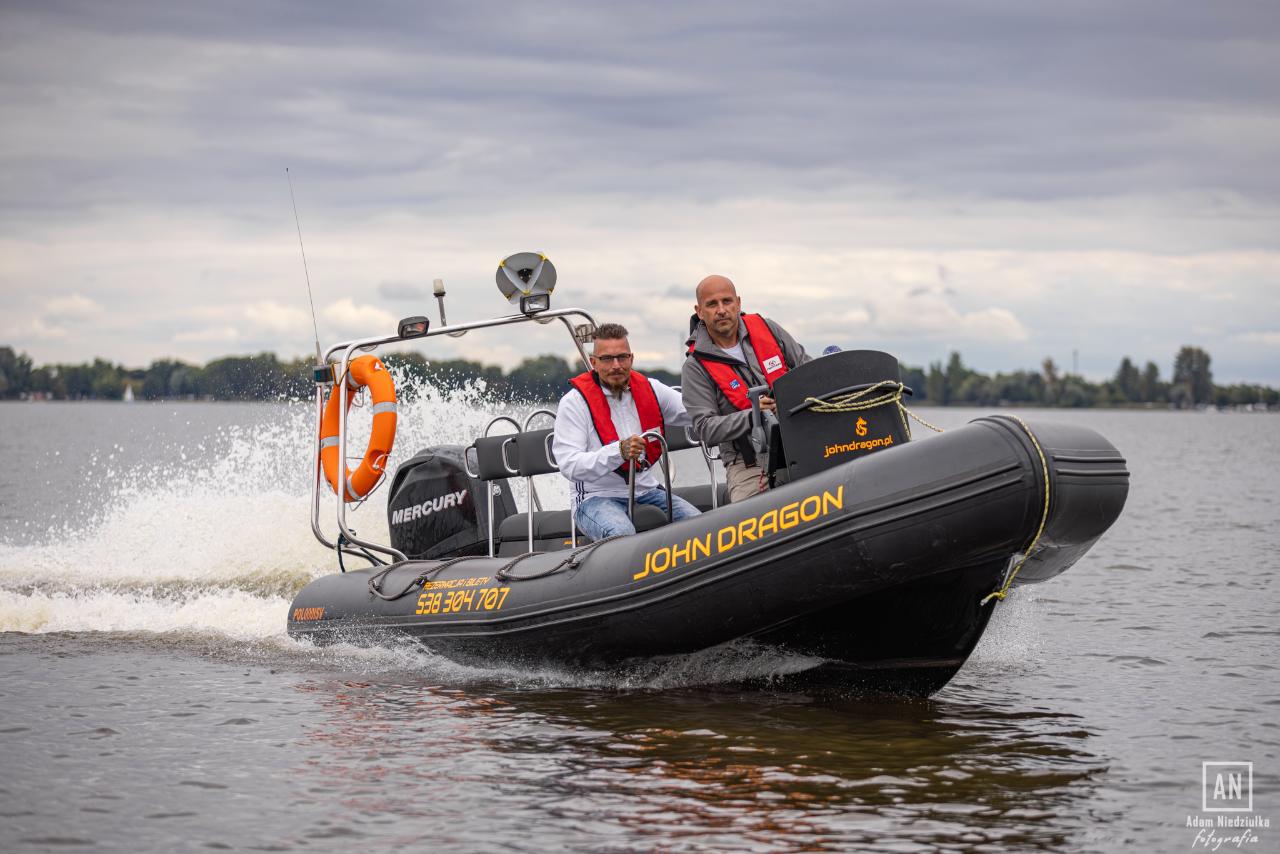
<point>877,558</point>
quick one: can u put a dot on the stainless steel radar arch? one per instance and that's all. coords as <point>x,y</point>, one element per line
<point>347,349</point>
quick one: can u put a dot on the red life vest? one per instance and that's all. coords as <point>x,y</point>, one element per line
<point>588,385</point>
<point>768,354</point>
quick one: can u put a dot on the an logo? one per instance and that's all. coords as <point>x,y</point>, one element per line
<point>1226,787</point>
<point>860,427</point>
<point>773,363</point>
<point>735,384</point>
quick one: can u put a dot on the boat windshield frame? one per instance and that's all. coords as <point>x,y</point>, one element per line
<point>348,349</point>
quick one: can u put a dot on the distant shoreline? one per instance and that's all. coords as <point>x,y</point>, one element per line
<point>265,377</point>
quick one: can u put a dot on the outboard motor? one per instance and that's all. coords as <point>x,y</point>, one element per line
<point>839,426</point>
<point>437,510</point>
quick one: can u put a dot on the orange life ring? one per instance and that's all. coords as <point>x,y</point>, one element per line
<point>363,371</point>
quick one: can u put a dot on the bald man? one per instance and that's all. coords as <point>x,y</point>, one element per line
<point>729,352</point>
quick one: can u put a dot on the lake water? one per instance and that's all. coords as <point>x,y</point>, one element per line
<point>152,701</point>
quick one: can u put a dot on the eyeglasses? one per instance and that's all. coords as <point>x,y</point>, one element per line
<point>619,358</point>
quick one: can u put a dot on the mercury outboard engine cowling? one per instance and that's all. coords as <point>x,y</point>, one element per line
<point>437,510</point>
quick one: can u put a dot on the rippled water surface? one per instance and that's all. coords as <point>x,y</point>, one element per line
<point>152,701</point>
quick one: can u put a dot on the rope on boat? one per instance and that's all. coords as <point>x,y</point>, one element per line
<point>571,561</point>
<point>1044,518</point>
<point>574,558</point>
<point>854,402</point>
<point>375,580</point>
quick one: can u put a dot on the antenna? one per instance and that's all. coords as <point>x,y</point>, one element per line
<point>305,272</point>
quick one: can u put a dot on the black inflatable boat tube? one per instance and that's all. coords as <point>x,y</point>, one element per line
<point>877,566</point>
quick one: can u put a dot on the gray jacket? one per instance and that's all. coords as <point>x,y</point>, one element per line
<point>715,419</point>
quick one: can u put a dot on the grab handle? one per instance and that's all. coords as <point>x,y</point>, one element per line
<point>650,436</point>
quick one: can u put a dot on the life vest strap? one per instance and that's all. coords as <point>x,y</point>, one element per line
<point>647,407</point>
<point>733,385</point>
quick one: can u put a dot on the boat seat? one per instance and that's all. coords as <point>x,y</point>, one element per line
<point>493,455</point>
<point>680,439</point>
<point>699,495</point>
<point>533,453</point>
<point>547,524</point>
<point>554,524</point>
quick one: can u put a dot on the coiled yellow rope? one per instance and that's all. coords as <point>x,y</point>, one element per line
<point>854,402</point>
<point>858,401</point>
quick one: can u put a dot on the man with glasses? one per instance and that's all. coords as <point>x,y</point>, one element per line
<point>609,402</point>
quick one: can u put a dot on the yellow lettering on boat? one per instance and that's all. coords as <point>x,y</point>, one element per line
<point>750,530</point>
<point>449,583</point>
<point>866,445</point>
<point>808,515</point>
<point>829,500</point>
<point>680,554</point>
<point>461,601</point>
<point>724,543</point>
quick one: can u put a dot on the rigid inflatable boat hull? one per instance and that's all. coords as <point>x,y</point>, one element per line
<point>877,566</point>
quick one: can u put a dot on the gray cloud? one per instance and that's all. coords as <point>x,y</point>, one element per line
<point>411,291</point>
<point>401,105</point>
<point>666,141</point>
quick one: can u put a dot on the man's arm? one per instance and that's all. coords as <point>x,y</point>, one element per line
<point>572,433</point>
<point>700,401</point>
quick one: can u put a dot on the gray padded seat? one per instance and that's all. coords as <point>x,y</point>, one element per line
<point>546,525</point>
<point>678,439</point>
<point>533,453</point>
<point>554,524</point>
<point>700,495</point>
<point>493,456</point>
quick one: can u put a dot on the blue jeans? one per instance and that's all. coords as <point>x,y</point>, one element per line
<point>601,517</point>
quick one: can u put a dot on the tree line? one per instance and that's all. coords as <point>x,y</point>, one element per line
<point>1189,385</point>
<point>539,378</point>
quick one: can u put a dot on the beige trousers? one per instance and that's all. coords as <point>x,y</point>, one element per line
<point>744,480</point>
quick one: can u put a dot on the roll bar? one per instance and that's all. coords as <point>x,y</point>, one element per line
<point>348,349</point>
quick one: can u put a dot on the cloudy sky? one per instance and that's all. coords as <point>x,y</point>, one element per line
<point>1010,180</point>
